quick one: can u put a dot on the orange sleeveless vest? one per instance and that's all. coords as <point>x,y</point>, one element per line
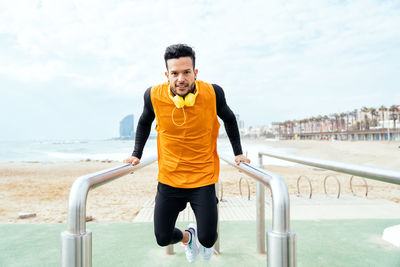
<point>187,155</point>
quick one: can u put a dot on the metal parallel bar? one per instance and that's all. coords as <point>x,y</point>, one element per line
<point>76,240</point>
<point>76,220</point>
<point>379,174</point>
<point>281,241</point>
<point>280,194</point>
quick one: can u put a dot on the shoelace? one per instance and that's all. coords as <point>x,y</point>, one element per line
<point>188,244</point>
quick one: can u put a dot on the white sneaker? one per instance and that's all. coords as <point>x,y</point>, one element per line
<point>206,253</point>
<point>191,249</point>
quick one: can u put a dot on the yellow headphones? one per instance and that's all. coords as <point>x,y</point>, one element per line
<point>180,102</point>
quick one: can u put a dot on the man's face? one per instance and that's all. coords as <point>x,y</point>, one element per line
<point>181,75</point>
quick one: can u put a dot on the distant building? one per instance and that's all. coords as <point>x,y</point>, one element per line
<point>239,121</point>
<point>126,130</point>
<point>380,123</point>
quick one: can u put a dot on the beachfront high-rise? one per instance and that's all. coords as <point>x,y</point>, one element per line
<point>126,130</point>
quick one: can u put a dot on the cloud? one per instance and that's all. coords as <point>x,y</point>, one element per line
<point>40,72</point>
<point>284,57</point>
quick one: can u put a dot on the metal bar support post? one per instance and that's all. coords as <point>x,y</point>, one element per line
<point>260,212</point>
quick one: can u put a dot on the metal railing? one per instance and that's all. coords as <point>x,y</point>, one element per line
<point>281,249</point>
<point>281,241</point>
<point>379,174</point>
<point>77,240</point>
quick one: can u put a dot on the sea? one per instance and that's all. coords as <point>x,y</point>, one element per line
<point>48,151</point>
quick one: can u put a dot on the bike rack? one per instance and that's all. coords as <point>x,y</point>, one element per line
<point>248,187</point>
<point>298,185</point>
<point>338,182</point>
<point>351,186</point>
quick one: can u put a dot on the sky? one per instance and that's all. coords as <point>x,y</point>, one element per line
<point>74,69</point>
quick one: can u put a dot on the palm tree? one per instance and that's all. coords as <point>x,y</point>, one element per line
<point>394,112</point>
<point>374,114</point>
<point>366,123</point>
<point>353,115</point>
<point>336,116</point>
<point>342,122</point>
<point>347,114</point>
<point>382,109</point>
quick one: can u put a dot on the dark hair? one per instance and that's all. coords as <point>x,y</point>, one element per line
<point>179,50</point>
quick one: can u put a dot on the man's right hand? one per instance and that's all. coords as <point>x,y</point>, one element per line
<point>133,160</point>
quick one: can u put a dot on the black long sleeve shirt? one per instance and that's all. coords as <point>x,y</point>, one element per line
<point>223,111</point>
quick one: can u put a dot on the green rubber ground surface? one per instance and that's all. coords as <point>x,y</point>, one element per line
<point>319,243</point>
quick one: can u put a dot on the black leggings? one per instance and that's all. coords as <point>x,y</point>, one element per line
<point>170,201</point>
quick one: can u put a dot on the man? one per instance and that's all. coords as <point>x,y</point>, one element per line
<point>186,113</point>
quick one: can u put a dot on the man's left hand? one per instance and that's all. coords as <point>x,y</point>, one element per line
<point>241,158</point>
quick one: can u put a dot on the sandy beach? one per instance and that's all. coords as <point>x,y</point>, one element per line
<point>43,188</point>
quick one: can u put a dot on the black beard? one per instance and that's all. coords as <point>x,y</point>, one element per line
<point>191,90</point>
